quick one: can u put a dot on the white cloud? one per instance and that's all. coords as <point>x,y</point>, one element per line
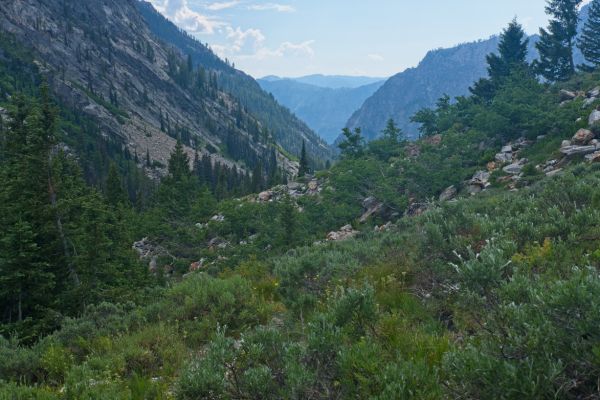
<point>249,39</point>
<point>222,5</point>
<point>231,42</point>
<point>272,7</point>
<point>180,13</point>
<point>376,57</point>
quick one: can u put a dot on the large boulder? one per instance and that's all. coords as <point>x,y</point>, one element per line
<point>595,92</point>
<point>582,137</point>
<point>503,158</point>
<point>593,157</point>
<point>371,207</point>
<point>513,169</point>
<point>594,117</point>
<point>265,196</point>
<point>345,232</point>
<point>218,218</point>
<point>448,194</point>
<point>480,178</point>
<point>577,150</point>
<point>566,95</point>
<point>370,202</point>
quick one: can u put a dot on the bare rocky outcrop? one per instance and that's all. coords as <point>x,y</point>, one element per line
<point>150,252</point>
<point>448,194</point>
<point>346,232</point>
<point>101,59</point>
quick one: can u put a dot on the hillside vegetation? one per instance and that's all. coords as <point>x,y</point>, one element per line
<point>462,265</point>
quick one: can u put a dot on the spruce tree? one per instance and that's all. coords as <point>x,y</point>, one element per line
<point>511,57</point>
<point>353,143</point>
<point>257,182</point>
<point>303,168</point>
<point>557,41</point>
<point>179,163</point>
<point>589,42</point>
<point>115,193</point>
<point>391,132</point>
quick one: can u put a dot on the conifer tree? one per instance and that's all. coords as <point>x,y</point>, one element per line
<point>391,132</point>
<point>179,163</point>
<point>557,41</point>
<point>511,57</point>
<point>589,42</point>
<point>353,143</point>
<point>303,168</point>
<point>115,193</point>
<point>257,183</point>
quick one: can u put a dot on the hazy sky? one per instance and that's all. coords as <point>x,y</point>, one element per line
<point>345,37</point>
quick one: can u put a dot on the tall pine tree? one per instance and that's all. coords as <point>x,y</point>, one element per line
<point>179,163</point>
<point>589,41</point>
<point>303,168</point>
<point>557,42</point>
<point>511,57</point>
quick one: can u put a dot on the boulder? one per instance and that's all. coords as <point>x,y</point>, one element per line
<point>313,186</point>
<point>415,209</point>
<point>554,172</point>
<point>507,149</point>
<point>577,150</point>
<point>265,196</point>
<point>521,142</point>
<point>480,178</point>
<point>503,158</point>
<point>595,92</point>
<point>594,157</point>
<point>588,102</point>
<point>217,243</point>
<point>540,137</point>
<point>565,143</point>
<point>514,168</point>
<point>566,95</point>
<point>369,202</point>
<point>582,137</point>
<point>371,206</point>
<point>345,232</point>
<point>448,194</point>
<point>594,117</point>
<point>217,218</point>
<point>294,186</point>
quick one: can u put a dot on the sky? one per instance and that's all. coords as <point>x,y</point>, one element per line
<point>377,38</point>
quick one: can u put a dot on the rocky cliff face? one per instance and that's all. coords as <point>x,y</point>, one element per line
<point>100,57</point>
<point>287,130</point>
<point>444,71</point>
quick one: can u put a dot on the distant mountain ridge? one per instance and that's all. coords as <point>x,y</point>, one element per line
<point>443,71</point>
<point>329,81</point>
<point>324,109</point>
